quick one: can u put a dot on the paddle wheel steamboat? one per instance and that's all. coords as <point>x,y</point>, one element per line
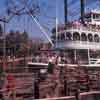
<point>80,41</point>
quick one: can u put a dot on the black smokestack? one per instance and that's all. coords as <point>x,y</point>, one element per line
<point>82,10</point>
<point>66,11</point>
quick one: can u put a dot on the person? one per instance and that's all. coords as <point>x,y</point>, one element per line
<point>10,87</point>
<point>50,66</point>
<point>57,59</point>
<point>51,63</point>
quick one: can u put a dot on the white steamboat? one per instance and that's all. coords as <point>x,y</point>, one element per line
<point>80,42</point>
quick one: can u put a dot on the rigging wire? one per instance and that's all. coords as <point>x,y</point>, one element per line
<point>38,24</point>
<point>48,18</point>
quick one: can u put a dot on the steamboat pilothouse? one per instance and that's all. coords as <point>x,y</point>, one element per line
<point>80,41</point>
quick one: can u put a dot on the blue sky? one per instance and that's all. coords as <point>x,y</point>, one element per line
<point>47,15</point>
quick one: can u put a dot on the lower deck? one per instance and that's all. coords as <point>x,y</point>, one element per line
<point>80,56</point>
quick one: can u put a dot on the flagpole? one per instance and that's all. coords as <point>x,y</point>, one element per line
<point>4,48</point>
<point>56,23</point>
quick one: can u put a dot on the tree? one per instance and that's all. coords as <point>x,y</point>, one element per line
<point>24,43</point>
<point>17,8</point>
<point>11,41</point>
<point>24,37</point>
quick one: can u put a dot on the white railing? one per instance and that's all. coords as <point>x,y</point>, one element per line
<point>78,45</point>
<point>80,27</point>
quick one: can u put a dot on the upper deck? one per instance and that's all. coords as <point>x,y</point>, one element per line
<point>77,35</point>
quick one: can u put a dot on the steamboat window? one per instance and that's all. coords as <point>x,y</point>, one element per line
<point>76,36</point>
<point>96,16</point>
<point>68,36</point>
<point>83,37</point>
<point>90,37</point>
<point>96,38</point>
<point>61,36</point>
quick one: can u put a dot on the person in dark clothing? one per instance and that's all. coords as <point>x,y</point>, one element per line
<point>51,64</point>
<point>50,67</point>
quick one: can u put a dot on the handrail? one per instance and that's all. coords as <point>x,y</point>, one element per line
<point>72,97</point>
<point>58,98</point>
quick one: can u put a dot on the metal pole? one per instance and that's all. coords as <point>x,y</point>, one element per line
<point>65,88</point>
<point>88,56</point>
<point>4,49</point>
<point>75,58</point>
<point>56,23</point>
<point>77,94</point>
<point>66,11</point>
<point>36,86</point>
<point>82,10</point>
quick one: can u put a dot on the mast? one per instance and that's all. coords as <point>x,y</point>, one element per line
<point>82,10</point>
<point>56,23</point>
<point>65,11</point>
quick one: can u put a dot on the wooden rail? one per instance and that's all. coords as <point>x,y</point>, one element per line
<point>91,93</point>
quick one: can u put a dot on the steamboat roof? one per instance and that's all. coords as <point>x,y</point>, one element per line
<point>95,11</point>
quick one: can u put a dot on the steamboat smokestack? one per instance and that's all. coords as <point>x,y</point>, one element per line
<point>82,10</point>
<point>66,11</point>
